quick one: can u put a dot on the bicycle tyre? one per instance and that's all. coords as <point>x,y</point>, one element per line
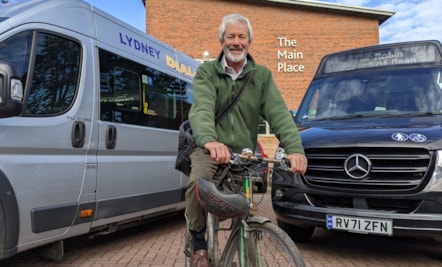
<point>275,248</point>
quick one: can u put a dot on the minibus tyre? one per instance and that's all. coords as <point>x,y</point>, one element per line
<point>2,231</point>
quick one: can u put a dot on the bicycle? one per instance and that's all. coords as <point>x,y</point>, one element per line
<point>253,240</point>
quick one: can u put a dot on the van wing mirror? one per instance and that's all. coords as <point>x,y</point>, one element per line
<point>11,92</point>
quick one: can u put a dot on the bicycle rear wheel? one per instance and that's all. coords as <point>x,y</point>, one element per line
<point>266,245</point>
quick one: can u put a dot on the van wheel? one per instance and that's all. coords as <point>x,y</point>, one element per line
<point>298,234</point>
<point>2,230</point>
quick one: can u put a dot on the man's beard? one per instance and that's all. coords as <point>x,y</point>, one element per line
<point>233,58</point>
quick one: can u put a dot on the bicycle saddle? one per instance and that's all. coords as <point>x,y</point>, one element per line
<point>221,203</point>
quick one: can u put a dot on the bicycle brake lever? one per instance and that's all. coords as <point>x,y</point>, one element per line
<point>285,164</point>
<point>235,160</point>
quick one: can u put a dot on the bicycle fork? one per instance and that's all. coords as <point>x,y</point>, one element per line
<point>249,243</point>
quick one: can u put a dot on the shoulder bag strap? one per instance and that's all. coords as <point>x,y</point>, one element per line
<point>220,116</point>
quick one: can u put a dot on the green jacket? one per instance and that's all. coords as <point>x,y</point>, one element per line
<point>213,90</point>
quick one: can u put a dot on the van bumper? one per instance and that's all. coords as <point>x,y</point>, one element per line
<point>297,208</point>
<point>304,215</point>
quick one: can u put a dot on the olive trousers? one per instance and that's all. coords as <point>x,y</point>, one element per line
<point>202,167</point>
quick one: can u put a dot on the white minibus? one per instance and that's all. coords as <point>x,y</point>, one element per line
<point>89,115</point>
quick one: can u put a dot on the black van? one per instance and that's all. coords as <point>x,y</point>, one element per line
<point>371,126</point>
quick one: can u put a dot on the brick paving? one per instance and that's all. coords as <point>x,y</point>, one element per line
<point>160,243</point>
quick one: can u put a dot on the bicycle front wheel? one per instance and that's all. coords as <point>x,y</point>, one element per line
<point>264,245</point>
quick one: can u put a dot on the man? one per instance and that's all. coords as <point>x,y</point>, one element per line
<point>214,85</point>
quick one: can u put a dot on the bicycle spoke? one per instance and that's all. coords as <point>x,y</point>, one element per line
<point>266,245</point>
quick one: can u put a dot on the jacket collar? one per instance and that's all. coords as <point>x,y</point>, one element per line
<point>247,68</point>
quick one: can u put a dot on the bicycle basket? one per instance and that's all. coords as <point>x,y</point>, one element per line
<point>221,203</point>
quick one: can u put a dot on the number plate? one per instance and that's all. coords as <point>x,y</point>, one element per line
<point>360,225</point>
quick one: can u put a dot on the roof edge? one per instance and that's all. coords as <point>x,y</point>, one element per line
<point>381,14</point>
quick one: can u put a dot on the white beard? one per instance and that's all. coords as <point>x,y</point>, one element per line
<point>233,58</point>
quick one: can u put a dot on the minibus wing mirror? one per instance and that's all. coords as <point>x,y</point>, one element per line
<point>11,92</point>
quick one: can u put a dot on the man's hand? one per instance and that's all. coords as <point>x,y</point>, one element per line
<point>298,163</point>
<point>218,152</point>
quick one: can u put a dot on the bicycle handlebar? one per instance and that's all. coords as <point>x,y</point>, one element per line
<point>284,163</point>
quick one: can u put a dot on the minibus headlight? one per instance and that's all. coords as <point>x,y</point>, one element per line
<point>435,183</point>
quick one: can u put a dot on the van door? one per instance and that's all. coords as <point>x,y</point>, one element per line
<point>43,151</point>
<point>138,140</point>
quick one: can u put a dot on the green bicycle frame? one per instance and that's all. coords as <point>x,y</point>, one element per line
<point>247,189</point>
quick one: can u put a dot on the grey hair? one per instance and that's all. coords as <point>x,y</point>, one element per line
<point>234,18</point>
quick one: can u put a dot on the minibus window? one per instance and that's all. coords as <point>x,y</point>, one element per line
<point>55,75</point>
<point>15,51</point>
<point>136,94</point>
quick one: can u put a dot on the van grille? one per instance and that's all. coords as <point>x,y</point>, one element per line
<point>382,204</point>
<point>392,169</point>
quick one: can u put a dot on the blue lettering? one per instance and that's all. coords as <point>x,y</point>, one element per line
<point>144,48</point>
<point>121,39</point>
<point>139,46</point>
<point>151,51</point>
<point>129,40</point>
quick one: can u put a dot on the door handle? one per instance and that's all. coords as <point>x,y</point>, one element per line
<point>78,134</point>
<point>111,137</point>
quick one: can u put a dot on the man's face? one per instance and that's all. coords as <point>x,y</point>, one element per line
<point>236,42</point>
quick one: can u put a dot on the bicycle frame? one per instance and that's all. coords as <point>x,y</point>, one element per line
<point>239,227</point>
<point>237,224</point>
<point>247,188</point>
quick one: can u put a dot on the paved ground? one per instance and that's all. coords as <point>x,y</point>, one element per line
<point>160,243</point>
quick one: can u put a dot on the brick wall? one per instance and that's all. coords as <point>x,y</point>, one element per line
<point>192,27</point>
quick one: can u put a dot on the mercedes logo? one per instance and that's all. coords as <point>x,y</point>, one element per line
<point>357,166</point>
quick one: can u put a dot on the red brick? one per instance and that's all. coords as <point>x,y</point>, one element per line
<point>191,26</point>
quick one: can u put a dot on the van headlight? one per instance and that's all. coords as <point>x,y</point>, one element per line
<point>435,183</point>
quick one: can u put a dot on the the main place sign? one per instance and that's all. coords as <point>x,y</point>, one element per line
<point>288,57</point>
